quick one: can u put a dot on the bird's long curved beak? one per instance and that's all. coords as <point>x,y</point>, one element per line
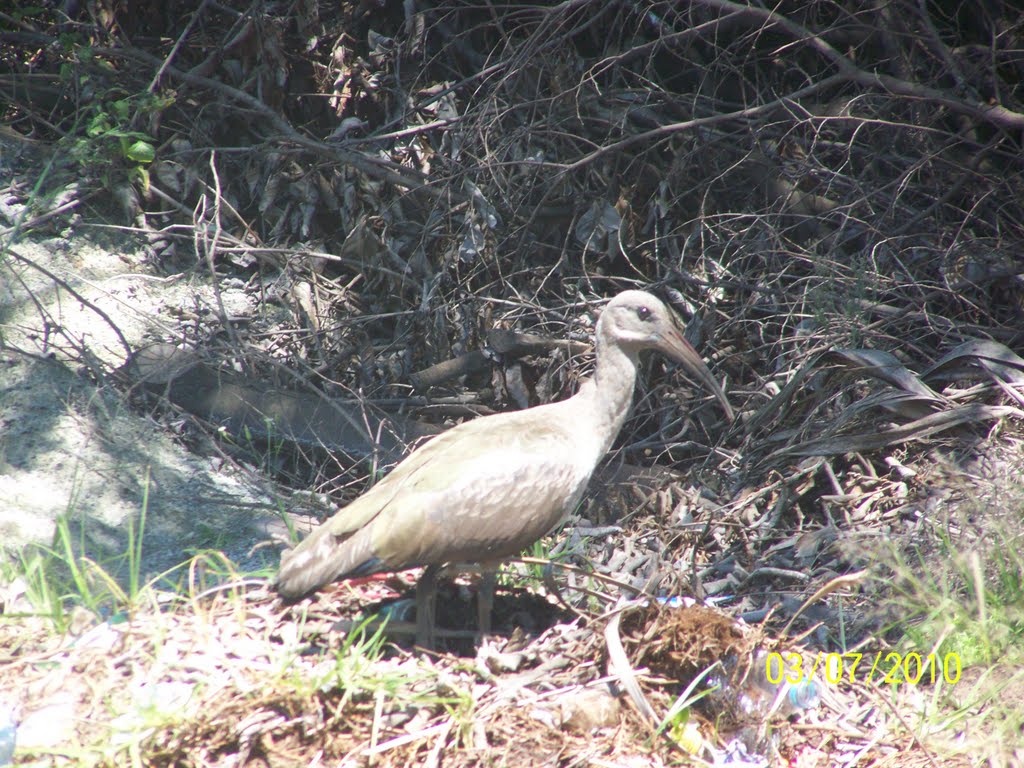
<point>679,349</point>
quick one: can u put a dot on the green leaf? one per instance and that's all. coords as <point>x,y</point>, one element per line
<point>122,108</point>
<point>140,152</point>
<point>98,125</point>
<point>140,175</point>
<point>27,12</point>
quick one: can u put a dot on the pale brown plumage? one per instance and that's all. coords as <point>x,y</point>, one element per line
<point>486,489</point>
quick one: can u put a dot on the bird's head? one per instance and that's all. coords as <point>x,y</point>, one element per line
<point>637,320</point>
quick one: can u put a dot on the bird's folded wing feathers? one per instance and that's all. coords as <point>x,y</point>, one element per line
<point>492,508</point>
<point>484,488</point>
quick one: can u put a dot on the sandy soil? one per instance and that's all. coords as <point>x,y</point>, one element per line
<point>70,447</point>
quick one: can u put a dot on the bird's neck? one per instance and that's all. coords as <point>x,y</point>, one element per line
<point>608,396</point>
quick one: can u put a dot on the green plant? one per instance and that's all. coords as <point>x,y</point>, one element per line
<point>356,670</point>
<point>267,447</point>
<point>974,607</point>
<point>104,140</point>
<point>58,577</point>
<point>362,671</point>
<point>19,15</point>
<point>964,607</point>
<point>34,566</point>
<point>676,720</point>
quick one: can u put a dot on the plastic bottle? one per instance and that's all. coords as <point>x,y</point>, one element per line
<point>8,735</point>
<point>783,697</point>
<point>756,696</point>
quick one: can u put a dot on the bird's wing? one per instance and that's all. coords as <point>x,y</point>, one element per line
<point>363,509</point>
<point>482,498</point>
<point>479,491</point>
<point>341,544</point>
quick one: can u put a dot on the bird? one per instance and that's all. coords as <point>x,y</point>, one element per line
<point>486,489</point>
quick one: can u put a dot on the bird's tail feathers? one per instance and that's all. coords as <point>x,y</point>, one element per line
<point>320,559</point>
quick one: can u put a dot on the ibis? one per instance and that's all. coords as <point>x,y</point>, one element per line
<point>483,491</point>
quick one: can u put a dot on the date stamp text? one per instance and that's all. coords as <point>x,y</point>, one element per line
<point>887,668</point>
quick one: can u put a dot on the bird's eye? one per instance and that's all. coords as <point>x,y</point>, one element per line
<point>644,313</point>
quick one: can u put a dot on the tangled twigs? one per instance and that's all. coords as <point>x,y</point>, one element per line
<point>376,167</point>
<point>991,113</point>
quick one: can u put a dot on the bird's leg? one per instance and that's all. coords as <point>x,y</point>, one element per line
<point>485,601</point>
<point>426,599</point>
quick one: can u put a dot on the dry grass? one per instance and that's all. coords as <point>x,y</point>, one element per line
<point>235,678</point>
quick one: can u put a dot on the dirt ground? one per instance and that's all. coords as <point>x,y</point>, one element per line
<point>70,446</point>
